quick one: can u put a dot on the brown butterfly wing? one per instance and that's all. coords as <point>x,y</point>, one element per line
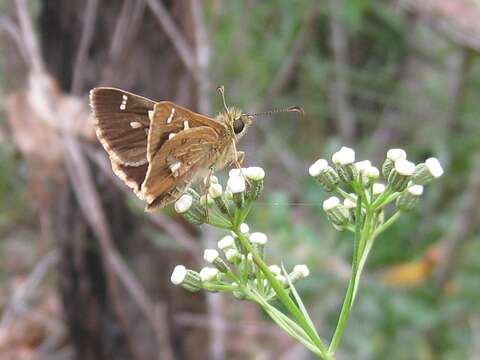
<point>115,111</point>
<point>132,176</point>
<point>169,118</point>
<point>181,160</point>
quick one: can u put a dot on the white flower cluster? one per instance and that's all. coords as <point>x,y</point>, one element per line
<point>232,262</point>
<point>404,182</point>
<point>243,186</point>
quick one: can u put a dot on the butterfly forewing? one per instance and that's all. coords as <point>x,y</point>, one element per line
<point>169,119</point>
<point>121,120</point>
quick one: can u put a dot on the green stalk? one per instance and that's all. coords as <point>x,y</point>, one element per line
<point>349,296</point>
<point>283,296</point>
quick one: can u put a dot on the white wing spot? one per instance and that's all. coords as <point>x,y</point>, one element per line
<point>150,115</point>
<point>171,135</point>
<point>186,125</point>
<point>135,125</point>
<point>123,105</point>
<point>175,166</point>
<point>170,118</point>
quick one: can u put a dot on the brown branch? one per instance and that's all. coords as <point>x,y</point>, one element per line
<point>13,31</point>
<point>88,30</point>
<point>345,117</point>
<point>16,304</point>
<point>176,37</point>
<point>28,36</point>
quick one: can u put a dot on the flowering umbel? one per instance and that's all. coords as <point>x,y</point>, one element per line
<point>233,267</point>
<point>359,201</point>
<point>403,181</point>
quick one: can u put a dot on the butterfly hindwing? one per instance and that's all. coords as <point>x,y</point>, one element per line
<point>121,122</point>
<point>177,163</point>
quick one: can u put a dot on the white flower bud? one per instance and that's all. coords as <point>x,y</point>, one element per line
<point>349,204</point>
<point>345,156</point>
<point>236,184</point>
<point>404,167</point>
<point>396,154</point>
<point>336,212</point>
<point>232,255</point>
<point>258,238</point>
<point>208,273</point>
<point>336,158</point>
<point>226,242</point>
<point>434,166</point>
<point>415,190</point>
<point>236,172</point>
<point>184,203</point>
<point>317,167</point>
<point>215,191</point>
<point>213,179</point>
<point>282,279</point>
<point>363,165</point>
<point>275,269</point>
<point>371,172</point>
<point>178,274</point>
<point>378,188</point>
<point>331,203</point>
<point>302,269</point>
<point>255,173</point>
<point>244,228</point>
<point>210,255</point>
<point>250,257</point>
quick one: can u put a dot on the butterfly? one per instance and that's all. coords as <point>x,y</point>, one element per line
<point>160,148</point>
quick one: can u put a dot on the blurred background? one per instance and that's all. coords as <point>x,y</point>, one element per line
<point>84,272</point>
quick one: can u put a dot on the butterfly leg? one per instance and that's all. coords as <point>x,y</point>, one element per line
<point>207,181</point>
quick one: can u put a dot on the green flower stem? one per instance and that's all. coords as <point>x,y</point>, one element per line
<point>283,296</point>
<point>387,223</point>
<point>348,301</point>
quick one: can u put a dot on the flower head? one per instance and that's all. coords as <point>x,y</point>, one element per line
<point>378,188</point>
<point>404,167</point>
<point>244,228</point>
<point>344,156</point>
<point>363,165</point>
<point>226,242</point>
<point>184,203</point>
<point>331,203</point>
<point>434,166</point>
<point>215,191</point>
<point>178,274</point>
<point>236,184</point>
<point>258,238</point>
<point>302,269</point>
<point>255,173</point>
<point>208,273</point>
<point>396,154</point>
<point>317,167</point>
<point>415,190</point>
<point>210,255</point>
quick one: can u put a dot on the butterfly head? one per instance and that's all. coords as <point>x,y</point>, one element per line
<point>237,121</point>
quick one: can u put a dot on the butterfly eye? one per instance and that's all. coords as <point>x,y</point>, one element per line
<point>238,125</point>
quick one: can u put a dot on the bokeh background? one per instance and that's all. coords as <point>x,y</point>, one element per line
<point>84,272</point>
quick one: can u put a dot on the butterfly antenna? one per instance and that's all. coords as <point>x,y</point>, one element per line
<point>221,90</point>
<point>297,109</point>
